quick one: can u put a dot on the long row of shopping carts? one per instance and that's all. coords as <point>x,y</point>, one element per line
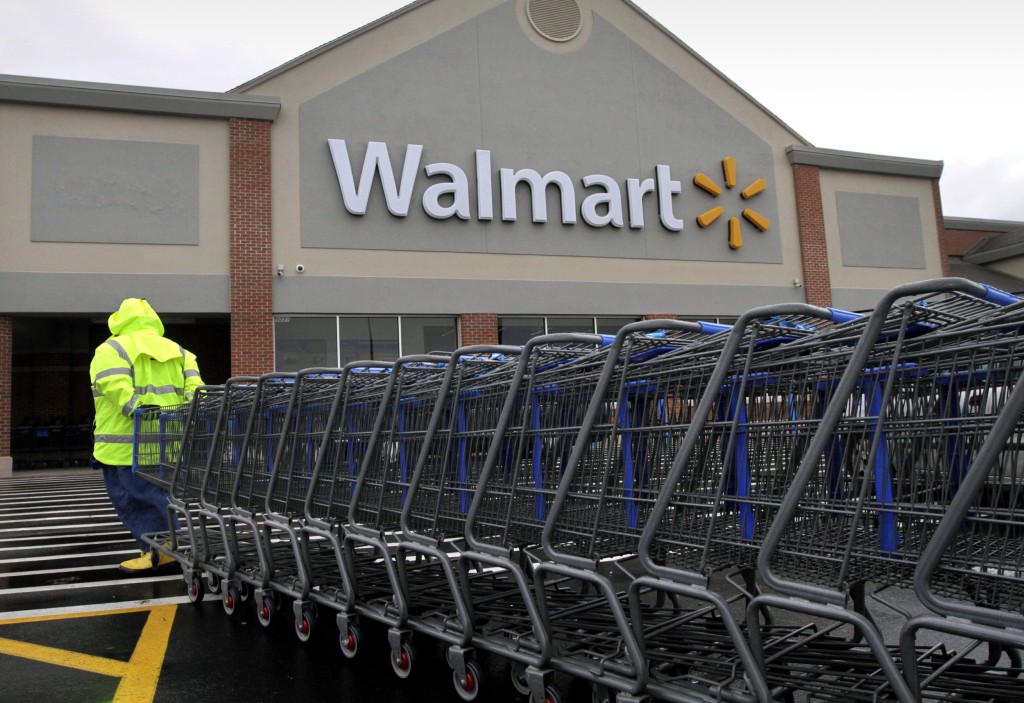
<point>807,505</point>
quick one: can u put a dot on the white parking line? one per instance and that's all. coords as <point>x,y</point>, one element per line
<point>97,584</point>
<point>100,608</point>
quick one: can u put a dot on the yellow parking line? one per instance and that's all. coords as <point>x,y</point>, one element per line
<point>63,657</point>
<point>139,675</point>
<point>138,684</point>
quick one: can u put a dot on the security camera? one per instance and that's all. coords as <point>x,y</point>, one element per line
<point>299,268</point>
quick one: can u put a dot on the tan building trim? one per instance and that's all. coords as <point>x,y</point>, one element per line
<point>940,226</point>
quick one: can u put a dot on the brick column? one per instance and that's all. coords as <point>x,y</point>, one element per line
<point>6,361</point>
<point>478,328</point>
<point>811,227</point>
<point>252,271</point>
<point>940,226</point>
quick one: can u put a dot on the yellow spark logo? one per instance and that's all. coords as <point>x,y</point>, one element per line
<point>705,219</point>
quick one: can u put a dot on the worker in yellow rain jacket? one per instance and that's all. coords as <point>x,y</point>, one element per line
<point>137,366</point>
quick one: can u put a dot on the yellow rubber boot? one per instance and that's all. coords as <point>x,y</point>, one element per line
<point>142,564</point>
<point>147,563</point>
<point>161,560</point>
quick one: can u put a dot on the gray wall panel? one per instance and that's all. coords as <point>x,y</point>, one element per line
<point>114,192</point>
<point>46,293</point>
<point>856,298</point>
<point>609,108</point>
<point>323,294</point>
<point>880,231</point>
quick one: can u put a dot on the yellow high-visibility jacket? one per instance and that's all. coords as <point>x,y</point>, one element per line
<point>137,366</point>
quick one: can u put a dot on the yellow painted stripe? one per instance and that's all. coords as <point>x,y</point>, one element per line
<point>139,675</point>
<point>139,682</point>
<point>63,657</point>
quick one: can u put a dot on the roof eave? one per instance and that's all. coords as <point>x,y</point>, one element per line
<point>139,99</point>
<point>868,163</point>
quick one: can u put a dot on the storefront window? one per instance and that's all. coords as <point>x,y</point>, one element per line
<point>373,338</point>
<point>305,342</point>
<point>611,325</point>
<point>421,335</point>
<point>570,324</point>
<point>519,330</point>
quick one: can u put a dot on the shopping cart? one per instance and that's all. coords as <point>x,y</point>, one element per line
<point>971,573</point>
<point>219,551</point>
<point>876,477</point>
<point>158,434</point>
<point>323,578</point>
<point>379,495</point>
<point>304,428</point>
<point>185,543</point>
<point>465,414</point>
<point>634,431</point>
<point>554,382</point>
<point>249,556</point>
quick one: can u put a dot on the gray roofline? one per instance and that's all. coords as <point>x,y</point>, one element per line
<point>989,249</point>
<point>324,48</point>
<point>983,274</point>
<point>163,101</point>
<point>868,163</point>
<point>971,224</point>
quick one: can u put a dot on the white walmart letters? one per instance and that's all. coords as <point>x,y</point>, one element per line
<point>599,209</point>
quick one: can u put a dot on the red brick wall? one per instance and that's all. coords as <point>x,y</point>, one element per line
<point>252,305</point>
<point>6,361</point>
<point>660,316</point>
<point>956,241</point>
<point>811,227</point>
<point>478,328</point>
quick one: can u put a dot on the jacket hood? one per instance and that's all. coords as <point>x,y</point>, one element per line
<point>135,315</point>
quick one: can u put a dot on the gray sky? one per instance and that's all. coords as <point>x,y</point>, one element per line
<point>928,79</point>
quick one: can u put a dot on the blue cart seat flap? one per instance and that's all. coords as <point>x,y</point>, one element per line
<point>1000,297</point>
<point>842,316</point>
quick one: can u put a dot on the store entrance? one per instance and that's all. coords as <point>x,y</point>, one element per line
<point>51,401</point>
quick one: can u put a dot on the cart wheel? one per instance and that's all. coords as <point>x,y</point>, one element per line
<point>552,694</point>
<point>468,688</point>
<point>350,641</point>
<point>231,599</point>
<point>265,611</point>
<point>244,591</point>
<point>196,589</point>
<point>401,663</point>
<point>305,624</point>
<point>518,675</point>
<point>212,583</point>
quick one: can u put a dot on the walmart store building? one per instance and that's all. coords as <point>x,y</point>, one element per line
<point>460,171</point>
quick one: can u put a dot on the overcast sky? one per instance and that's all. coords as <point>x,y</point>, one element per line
<point>927,79</point>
